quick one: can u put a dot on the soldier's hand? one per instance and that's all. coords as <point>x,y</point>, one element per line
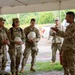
<point>34,40</point>
<point>30,40</point>
<point>54,28</point>
<point>18,42</point>
<point>5,42</point>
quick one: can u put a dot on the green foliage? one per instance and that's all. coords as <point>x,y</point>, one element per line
<point>41,17</point>
<point>46,17</point>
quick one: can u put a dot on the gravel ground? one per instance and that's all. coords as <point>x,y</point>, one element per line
<point>47,73</point>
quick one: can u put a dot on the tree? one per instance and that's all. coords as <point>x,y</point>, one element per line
<point>46,17</point>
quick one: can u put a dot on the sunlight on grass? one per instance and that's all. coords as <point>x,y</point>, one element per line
<point>47,66</point>
<point>43,67</point>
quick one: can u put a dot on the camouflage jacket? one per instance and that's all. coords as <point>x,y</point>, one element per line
<point>3,35</point>
<point>69,37</point>
<point>56,39</point>
<point>28,30</point>
<point>15,32</point>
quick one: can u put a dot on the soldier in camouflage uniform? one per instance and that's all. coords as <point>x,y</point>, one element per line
<point>68,47</point>
<point>14,50</point>
<point>31,45</point>
<point>3,42</point>
<point>56,41</point>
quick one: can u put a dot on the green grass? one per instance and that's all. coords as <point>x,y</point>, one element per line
<point>47,66</point>
<point>43,67</point>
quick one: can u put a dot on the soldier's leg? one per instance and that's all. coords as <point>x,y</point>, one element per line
<point>54,50</point>
<point>18,57</point>
<point>33,54</point>
<point>59,47</point>
<point>13,61</point>
<point>65,65</point>
<point>4,61</point>
<point>24,60</point>
<point>71,64</point>
<point>13,64</point>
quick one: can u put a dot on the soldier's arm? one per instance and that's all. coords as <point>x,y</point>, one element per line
<point>10,37</point>
<point>6,38</point>
<point>52,33</point>
<point>66,35</point>
<point>60,33</point>
<point>38,36</point>
<point>23,36</point>
<point>6,30</point>
<point>25,33</point>
<point>70,35</point>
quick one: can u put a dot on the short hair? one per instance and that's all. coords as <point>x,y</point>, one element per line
<point>71,14</point>
<point>33,19</point>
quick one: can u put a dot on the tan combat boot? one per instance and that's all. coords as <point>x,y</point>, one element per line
<point>16,73</point>
<point>22,70</point>
<point>32,69</point>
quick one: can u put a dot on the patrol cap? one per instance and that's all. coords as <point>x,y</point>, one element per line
<point>15,20</point>
<point>57,19</point>
<point>1,19</point>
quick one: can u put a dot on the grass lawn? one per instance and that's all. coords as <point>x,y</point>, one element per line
<point>43,67</point>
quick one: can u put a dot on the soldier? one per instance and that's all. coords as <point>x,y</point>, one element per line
<point>68,47</point>
<point>32,38</point>
<point>17,38</point>
<point>3,42</point>
<point>56,41</point>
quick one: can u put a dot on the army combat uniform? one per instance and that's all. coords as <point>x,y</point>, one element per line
<point>15,52</point>
<point>30,47</point>
<point>3,49</point>
<point>56,44</point>
<point>68,49</point>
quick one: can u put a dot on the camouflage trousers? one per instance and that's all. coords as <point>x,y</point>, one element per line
<point>68,62</point>
<point>15,57</point>
<point>55,47</point>
<point>34,51</point>
<point>3,55</point>
<point>4,61</point>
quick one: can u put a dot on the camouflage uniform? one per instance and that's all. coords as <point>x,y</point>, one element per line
<point>15,52</point>
<point>56,44</point>
<point>30,47</point>
<point>68,49</point>
<point>3,50</point>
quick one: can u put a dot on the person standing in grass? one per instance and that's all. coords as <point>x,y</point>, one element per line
<point>17,38</point>
<point>56,41</point>
<point>68,46</point>
<point>3,42</point>
<point>32,38</point>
